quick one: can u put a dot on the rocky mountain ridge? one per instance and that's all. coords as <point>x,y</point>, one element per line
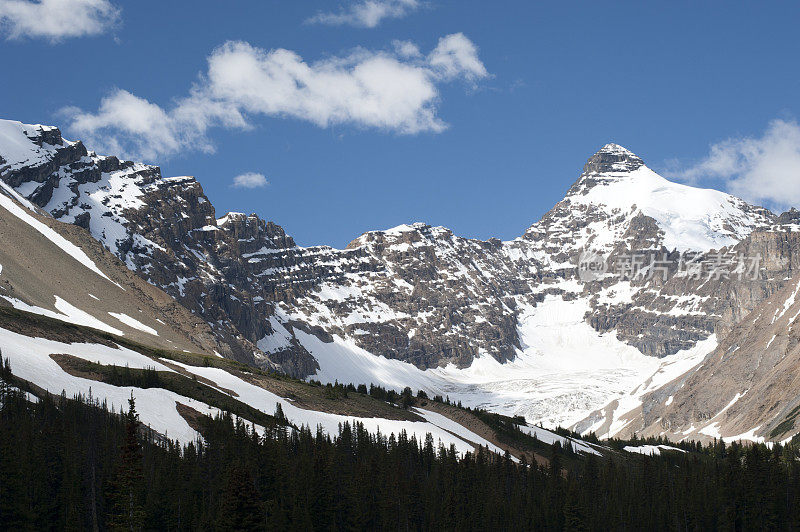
<point>432,305</point>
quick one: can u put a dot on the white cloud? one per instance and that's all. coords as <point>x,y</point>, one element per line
<point>368,89</point>
<point>406,49</point>
<point>133,127</point>
<point>456,56</point>
<point>764,170</point>
<point>56,20</point>
<point>250,180</point>
<point>385,90</point>
<point>367,13</point>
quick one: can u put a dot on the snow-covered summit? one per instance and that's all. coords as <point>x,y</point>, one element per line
<point>616,186</point>
<point>691,218</point>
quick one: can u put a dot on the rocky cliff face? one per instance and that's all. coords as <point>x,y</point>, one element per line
<point>413,293</point>
<point>746,387</point>
<point>163,229</point>
<point>418,294</point>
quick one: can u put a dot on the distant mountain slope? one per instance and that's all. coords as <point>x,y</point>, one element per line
<point>748,387</point>
<point>58,270</point>
<point>513,326</point>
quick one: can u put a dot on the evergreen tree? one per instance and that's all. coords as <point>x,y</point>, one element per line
<point>280,417</point>
<point>240,509</point>
<point>126,512</point>
<point>574,513</point>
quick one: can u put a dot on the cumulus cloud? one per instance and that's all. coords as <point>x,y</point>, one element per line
<point>387,90</point>
<point>406,49</point>
<point>368,89</point>
<point>456,56</point>
<point>132,127</point>
<point>250,180</point>
<point>56,20</point>
<point>366,13</point>
<point>763,169</point>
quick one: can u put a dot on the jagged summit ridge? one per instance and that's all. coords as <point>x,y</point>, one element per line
<point>609,164</point>
<point>611,147</point>
<point>612,158</point>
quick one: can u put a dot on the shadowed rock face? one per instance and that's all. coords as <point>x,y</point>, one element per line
<point>414,293</point>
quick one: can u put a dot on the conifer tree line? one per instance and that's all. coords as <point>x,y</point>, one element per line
<point>71,464</point>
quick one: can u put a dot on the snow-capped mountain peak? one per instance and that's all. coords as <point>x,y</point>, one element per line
<point>617,187</point>
<point>616,148</point>
<point>612,158</point>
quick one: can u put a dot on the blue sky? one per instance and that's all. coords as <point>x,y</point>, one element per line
<point>705,92</point>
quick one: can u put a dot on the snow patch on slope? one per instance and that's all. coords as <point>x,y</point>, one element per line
<point>30,360</point>
<point>134,323</point>
<point>651,450</point>
<point>66,312</point>
<point>279,340</point>
<point>545,436</point>
<point>442,430</point>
